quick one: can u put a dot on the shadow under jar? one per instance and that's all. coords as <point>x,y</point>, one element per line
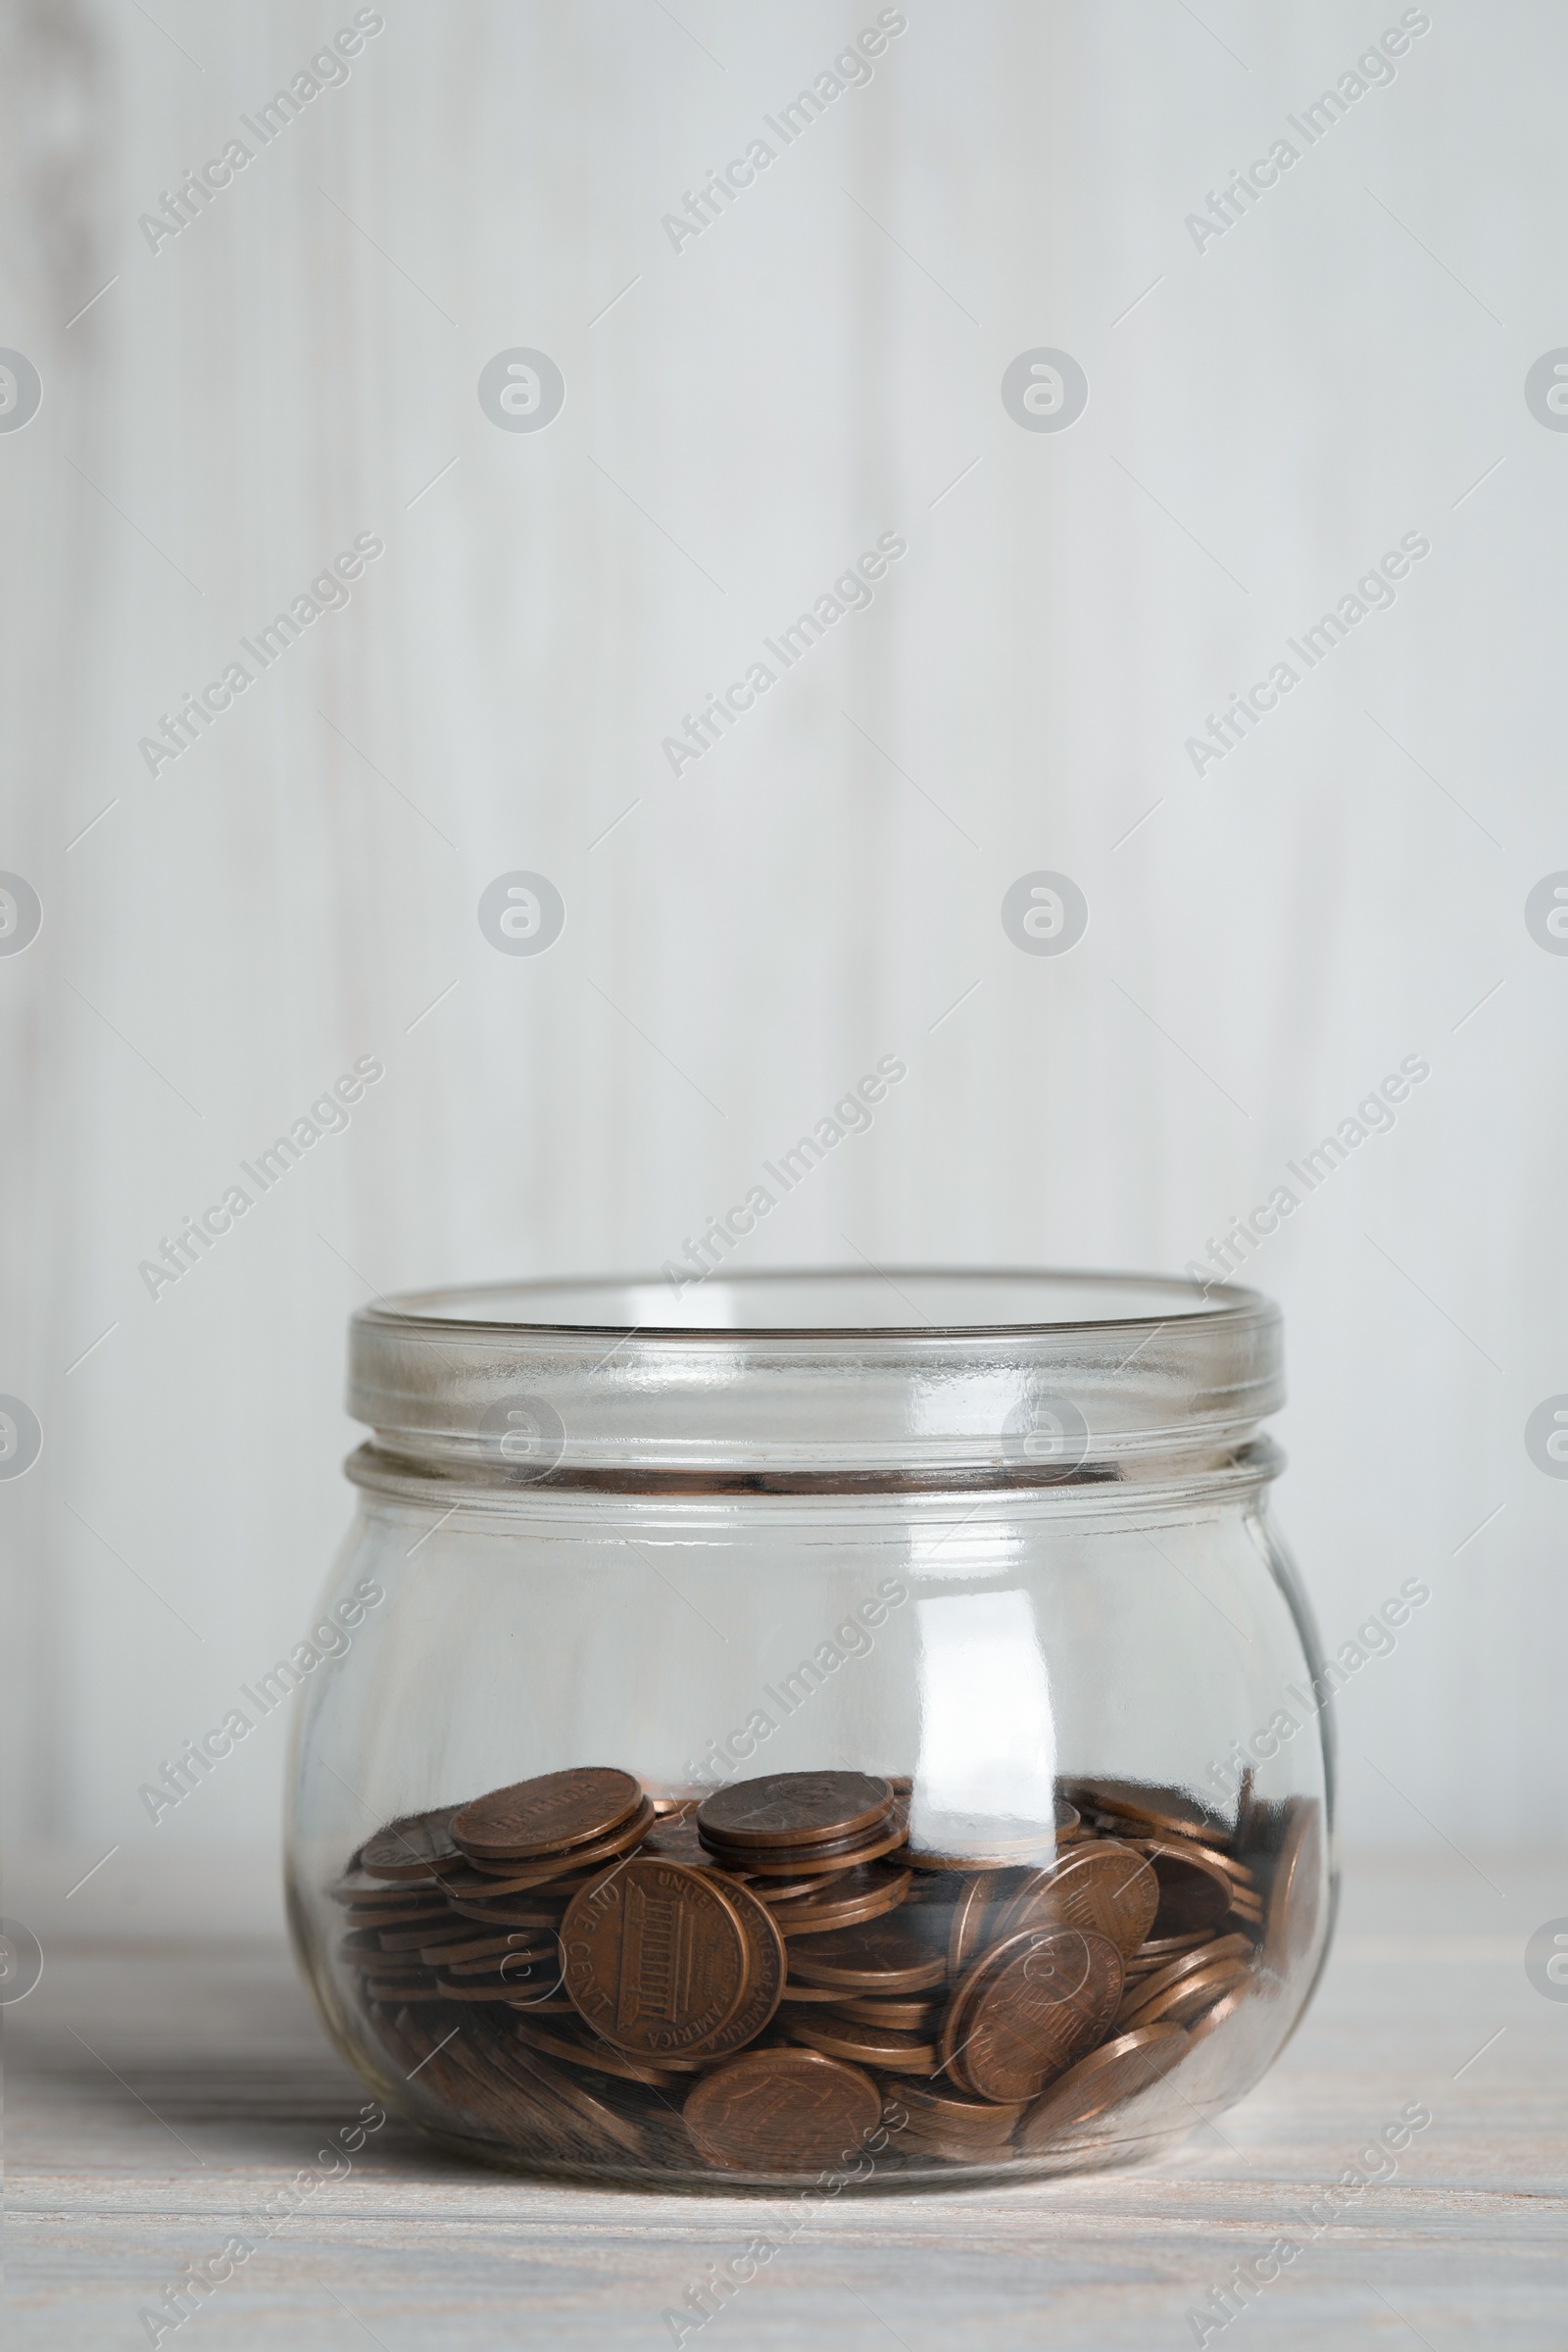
<point>822,1728</point>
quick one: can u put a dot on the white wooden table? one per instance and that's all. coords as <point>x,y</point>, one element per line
<point>160,2088</point>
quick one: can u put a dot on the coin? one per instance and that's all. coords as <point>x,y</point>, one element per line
<point>412,1847</point>
<point>1103,1888</point>
<point>885,2047</point>
<point>882,1956</point>
<point>914,2013</point>
<point>782,2111</point>
<point>847,1902</point>
<point>674,1838</point>
<point>1116,2071</point>
<point>1174,1972</point>
<point>965,1928</point>
<point>1193,1891</point>
<point>657,1958</point>
<point>570,2040</point>
<point>553,1810</point>
<point>1168,1811</point>
<point>1039,2001</point>
<point>838,1853</point>
<point>1296,1889</point>
<point>795,1808</point>
<point>1192,1996</point>
<point>540,1870</point>
<point>977,2119</point>
<point>764,1977</point>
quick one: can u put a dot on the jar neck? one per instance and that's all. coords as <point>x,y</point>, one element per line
<point>1208,1475</point>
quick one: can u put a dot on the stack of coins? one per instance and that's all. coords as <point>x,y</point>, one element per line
<point>761,1982</point>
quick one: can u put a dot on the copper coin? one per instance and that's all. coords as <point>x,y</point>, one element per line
<point>401,1988</point>
<point>541,1869</point>
<point>964,1932</point>
<point>523,1912</point>
<point>1295,1895</point>
<point>1223,2009</point>
<point>839,1854</point>
<point>764,1979</point>
<point>1165,1811</point>
<point>1192,1996</point>
<point>1118,2070</point>
<point>782,2111</point>
<point>895,2052</point>
<point>881,1889</point>
<point>796,1993</point>
<point>1192,1892</point>
<point>795,1808</point>
<point>413,1940</point>
<point>912,2013</point>
<point>791,1891</point>
<point>882,1956</point>
<point>674,1838</point>
<point>412,1847</point>
<point>1161,1980</point>
<point>657,1958</point>
<point>980,2119</point>
<point>1043,1998</point>
<point>605,2126</point>
<point>543,1815</point>
<point>395,1914</point>
<point>461,1946</point>
<point>1102,1888</point>
<point>572,2041</point>
<point>376,1893</point>
<point>1168,1947</point>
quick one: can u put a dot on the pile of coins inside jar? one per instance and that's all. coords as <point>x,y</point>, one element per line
<point>766,1979</point>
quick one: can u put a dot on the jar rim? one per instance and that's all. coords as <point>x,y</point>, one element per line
<point>1070,1375</point>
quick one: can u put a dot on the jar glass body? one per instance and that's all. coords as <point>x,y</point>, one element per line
<point>1035,1665</point>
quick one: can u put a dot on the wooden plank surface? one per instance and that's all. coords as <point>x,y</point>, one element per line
<point>158,2093</point>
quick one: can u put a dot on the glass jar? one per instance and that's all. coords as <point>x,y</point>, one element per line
<point>816,1727</point>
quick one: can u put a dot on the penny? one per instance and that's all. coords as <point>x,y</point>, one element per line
<point>573,2042</point>
<point>1192,1996</point>
<point>839,1854</point>
<point>555,1810</point>
<point>459,1946</point>
<point>879,1889</point>
<point>578,2108</point>
<point>1118,2070</point>
<point>1192,1892</point>
<point>657,1958</point>
<point>795,1808</point>
<point>969,1908</point>
<point>412,1847</point>
<point>782,2111</point>
<point>981,2119</point>
<point>911,2014</point>
<point>1224,2008</point>
<point>674,1838</point>
<point>541,1870</point>
<point>1166,1812</point>
<point>796,1993</point>
<point>790,1890</point>
<point>894,2051</point>
<point>1103,1888</point>
<point>397,1988</point>
<point>1042,2000</point>
<point>1166,1948</point>
<point>1294,1891</point>
<point>1173,1972</point>
<point>764,1977</point>
<point>881,1956</point>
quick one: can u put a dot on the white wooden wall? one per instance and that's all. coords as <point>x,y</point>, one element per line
<point>1267,417</point>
